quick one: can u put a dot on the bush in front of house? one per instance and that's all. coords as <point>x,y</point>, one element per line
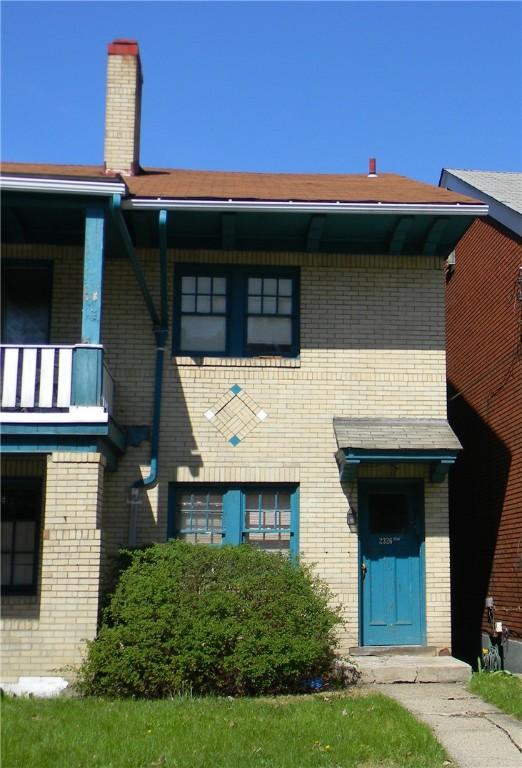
<point>205,620</point>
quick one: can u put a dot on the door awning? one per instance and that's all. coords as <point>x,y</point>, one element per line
<point>395,441</point>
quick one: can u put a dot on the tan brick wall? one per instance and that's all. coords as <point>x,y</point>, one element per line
<point>43,634</point>
<point>122,117</point>
<point>372,335</point>
<point>372,331</point>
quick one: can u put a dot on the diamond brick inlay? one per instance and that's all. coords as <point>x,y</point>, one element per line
<point>235,415</point>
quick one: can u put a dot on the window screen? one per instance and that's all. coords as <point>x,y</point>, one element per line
<point>200,517</point>
<point>268,520</point>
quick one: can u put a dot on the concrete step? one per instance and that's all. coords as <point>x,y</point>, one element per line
<point>393,650</point>
<point>412,669</point>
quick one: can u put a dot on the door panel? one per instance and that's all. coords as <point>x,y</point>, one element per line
<point>392,568</point>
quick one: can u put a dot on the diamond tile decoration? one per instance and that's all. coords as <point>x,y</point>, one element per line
<point>235,415</point>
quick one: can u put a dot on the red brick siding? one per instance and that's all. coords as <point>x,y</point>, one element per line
<point>484,358</point>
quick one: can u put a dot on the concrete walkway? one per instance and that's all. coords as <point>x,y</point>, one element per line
<point>475,734</point>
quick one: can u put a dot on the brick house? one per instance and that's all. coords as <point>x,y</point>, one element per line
<point>484,348</point>
<point>225,357</point>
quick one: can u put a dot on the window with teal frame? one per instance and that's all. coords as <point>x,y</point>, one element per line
<point>21,515</point>
<point>236,311</point>
<point>265,516</point>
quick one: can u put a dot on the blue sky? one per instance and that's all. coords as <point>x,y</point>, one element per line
<point>294,87</point>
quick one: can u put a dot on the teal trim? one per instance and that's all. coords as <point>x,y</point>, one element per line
<point>440,469</point>
<point>55,429</point>
<point>46,444</point>
<point>294,522</point>
<point>137,434</point>
<point>350,459</point>
<point>51,200</point>
<point>164,291</point>
<point>315,233</point>
<point>399,235</point>
<point>234,440</point>
<point>234,509</point>
<point>434,236</point>
<point>232,516</point>
<point>235,389</point>
<point>260,231</point>
<point>87,374</point>
<point>228,231</point>
<point>161,335</point>
<point>93,275</point>
<point>392,596</point>
<point>348,470</point>
<point>237,307</point>
<point>17,438</point>
<point>115,208</point>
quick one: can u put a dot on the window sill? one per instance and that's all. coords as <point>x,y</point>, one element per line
<point>239,362</point>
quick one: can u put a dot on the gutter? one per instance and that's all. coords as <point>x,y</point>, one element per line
<point>69,186</point>
<point>272,206</point>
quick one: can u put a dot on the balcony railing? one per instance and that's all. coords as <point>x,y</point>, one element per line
<point>64,383</point>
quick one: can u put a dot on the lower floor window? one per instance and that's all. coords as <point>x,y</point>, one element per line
<point>265,516</point>
<point>21,512</point>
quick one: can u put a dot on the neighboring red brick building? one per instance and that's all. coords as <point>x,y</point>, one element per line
<point>484,359</point>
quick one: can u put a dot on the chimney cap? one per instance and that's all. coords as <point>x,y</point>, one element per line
<point>123,47</point>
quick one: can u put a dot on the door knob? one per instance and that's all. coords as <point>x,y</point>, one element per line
<point>364,569</point>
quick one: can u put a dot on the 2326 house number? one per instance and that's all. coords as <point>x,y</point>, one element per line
<point>385,540</point>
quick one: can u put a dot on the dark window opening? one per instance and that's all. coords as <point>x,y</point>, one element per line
<point>388,513</point>
<point>21,514</point>
<point>26,303</point>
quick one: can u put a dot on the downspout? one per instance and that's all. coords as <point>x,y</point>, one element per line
<point>161,334</point>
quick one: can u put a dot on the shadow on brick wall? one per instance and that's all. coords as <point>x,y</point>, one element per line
<point>477,489</point>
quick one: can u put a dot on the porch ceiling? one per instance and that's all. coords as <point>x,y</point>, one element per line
<point>60,220</point>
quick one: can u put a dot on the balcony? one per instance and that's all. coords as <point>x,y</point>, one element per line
<point>56,384</point>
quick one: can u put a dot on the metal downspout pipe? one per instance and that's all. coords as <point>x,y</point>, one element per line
<point>161,335</point>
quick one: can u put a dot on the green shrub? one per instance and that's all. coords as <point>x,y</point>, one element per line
<point>230,620</point>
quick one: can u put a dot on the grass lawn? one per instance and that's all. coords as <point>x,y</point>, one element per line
<point>504,691</point>
<point>288,732</point>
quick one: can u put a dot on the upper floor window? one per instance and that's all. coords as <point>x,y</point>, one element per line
<point>236,311</point>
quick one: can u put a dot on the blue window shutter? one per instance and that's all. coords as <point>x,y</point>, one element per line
<point>294,523</point>
<point>236,315</point>
<point>232,516</point>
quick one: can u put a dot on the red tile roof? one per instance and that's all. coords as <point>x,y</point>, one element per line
<point>225,185</point>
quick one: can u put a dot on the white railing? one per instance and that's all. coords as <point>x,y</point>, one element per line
<point>40,378</point>
<point>107,390</point>
<point>36,376</point>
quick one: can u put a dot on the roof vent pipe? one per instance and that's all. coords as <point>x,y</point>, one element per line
<point>372,168</point>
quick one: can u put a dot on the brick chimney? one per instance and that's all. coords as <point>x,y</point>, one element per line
<point>123,109</point>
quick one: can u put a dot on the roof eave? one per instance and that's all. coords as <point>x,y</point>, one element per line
<point>502,213</point>
<point>69,186</point>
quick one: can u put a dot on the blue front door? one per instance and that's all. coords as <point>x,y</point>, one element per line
<point>391,524</point>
